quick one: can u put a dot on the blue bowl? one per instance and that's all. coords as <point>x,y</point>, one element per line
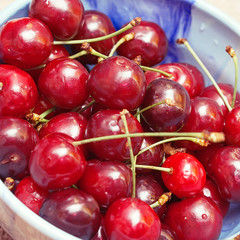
<point>208,30</point>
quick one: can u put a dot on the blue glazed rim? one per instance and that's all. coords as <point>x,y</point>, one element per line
<point>37,222</point>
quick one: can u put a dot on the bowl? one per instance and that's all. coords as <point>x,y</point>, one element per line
<point>208,30</point>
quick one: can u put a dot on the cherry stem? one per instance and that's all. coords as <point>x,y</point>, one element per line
<point>44,114</point>
<point>186,43</point>
<point>233,55</point>
<point>164,198</point>
<point>132,158</point>
<point>79,54</point>
<point>9,183</point>
<point>211,137</point>
<point>82,109</point>
<point>136,21</point>
<point>1,86</point>
<point>162,169</point>
<point>157,70</point>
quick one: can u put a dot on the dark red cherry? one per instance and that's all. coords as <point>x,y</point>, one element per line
<point>117,83</point>
<point>31,194</point>
<point>165,117</point>
<point>131,218</point>
<point>63,83</point>
<point>152,157</point>
<point>100,235</point>
<point>224,169</point>
<point>106,181</point>
<point>150,42</point>
<point>188,176</point>
<point>55,162</point>
<point>149,191</point>
<point>167,233</point>
<point>63,17</point>
<point>95,24</point>
<point>25,42</point>
<point>195,218</point>
<point>211,190</point>
<point>18,91</point>
<point>206,115</point>
<point>73,211</point>
<point>227,90</point>
<point>17,140</point>
<point>180,74</point>
<point>109,122</point>
<point>232,127</point>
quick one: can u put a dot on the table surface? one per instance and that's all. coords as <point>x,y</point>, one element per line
<point>229,7</point>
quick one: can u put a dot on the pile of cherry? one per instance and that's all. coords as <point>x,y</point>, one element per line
<point>124,150</point>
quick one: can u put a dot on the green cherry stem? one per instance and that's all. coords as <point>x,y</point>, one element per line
<point>186,43</point>
<point>162,169</point>
<point>164,198</point>
<point>233,55</point>
<point>136,21</point>
<point>144,68</point>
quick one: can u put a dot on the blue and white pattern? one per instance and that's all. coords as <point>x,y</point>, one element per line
<point>209,32</point>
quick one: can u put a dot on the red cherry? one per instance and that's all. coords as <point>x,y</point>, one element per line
<point>25,42</point>
<point>63,83</point>
<point>63,17</point>
<point>31,194</point>
<point>18,91</point>
<point>96,24</point>
<point>188,176</point>
<point>106,181</point>
<point>117,83</point>
<point>131,218</point>
<point>167,233</point>
<point>17,140</point>
<point>55,163</point>
<point>150,42</point>
<point>73,211</point>
<point>195,218</point>
<point>109,122</point>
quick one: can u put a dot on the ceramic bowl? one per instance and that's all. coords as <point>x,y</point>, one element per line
<point>209,32</point>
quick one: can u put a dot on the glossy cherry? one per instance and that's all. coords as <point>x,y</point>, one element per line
<point>150,42</point>
<point>63,83</point>
<point>55,163</point>
<point>109,122</point>
<point>63,17</point>
<point>166,117</point>
<point>73,211</point>
<point>195,218</point>
<point>17,140</point>
<point>188,176</point>
<point>20,44</point>
<point>31,194</point>
<point>95,24</point>
<point>106,181</point>
<point>224,169</point>
<point>117,83</point>
<point>131,218</point>
<point>167,233</point>
<point>18,91</point>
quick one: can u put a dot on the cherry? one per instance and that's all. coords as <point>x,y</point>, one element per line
<point>131,218</point>
<point>109,122</point>
<point>31,194</point>
<point>232,127</point>
<point>206,115</point>
<point>149,191</point>
<point>167,233</point>
<point>117,83</point>
<point>20,45</point>
<point>210,190</point>
<point>100,235</point>
<point>63,17</point>
<point>195,218</point>
<point>18,91</point>
<point>17,140</point>
<point>224,169</point>
<point>188,176</point>
<point>63,83</point>
<point>96,24</point>
<point>180,73</point>
<point>150,42</point>
<point>166,117</point>
<point>227,90</point>
<point>55,162</point>
<point>73,211</point>
<point>106,181</point>
<point>152,157</point>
